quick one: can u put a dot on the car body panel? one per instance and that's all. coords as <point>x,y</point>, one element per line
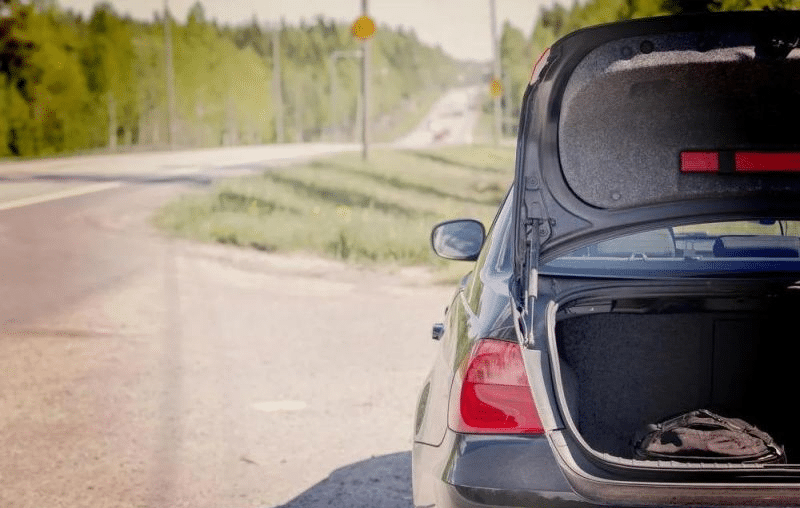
<point>512,295</point>
<point>466,470</point>
<point>523,470</point>
<point>480,308</point>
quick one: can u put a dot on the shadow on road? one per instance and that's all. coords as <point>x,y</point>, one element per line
<point>379,482</point>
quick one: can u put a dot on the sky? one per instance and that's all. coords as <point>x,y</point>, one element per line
<point>461,27</point>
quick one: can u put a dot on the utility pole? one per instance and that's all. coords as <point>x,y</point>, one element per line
<point>332,59</point>
<point>170,77</point>
<point>277,84</point>
<point>334,97</point>
<point>507,120</point>
<point>495,71</point>
<point>298,112</point>
<point>365,75</point>
<point>112,122</point>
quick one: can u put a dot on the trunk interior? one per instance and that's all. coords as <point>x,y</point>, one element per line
<point>627,363</point>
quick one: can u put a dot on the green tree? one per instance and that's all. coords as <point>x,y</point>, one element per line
<point>69,84</point>
<point>17,46</point>
<point>515,60</point>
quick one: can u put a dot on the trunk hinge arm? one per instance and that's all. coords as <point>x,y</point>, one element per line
<point>538,220</point>
<point>538,228</point>
<point>533,245</point>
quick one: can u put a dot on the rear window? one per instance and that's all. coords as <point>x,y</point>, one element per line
<point>632,107</point>
<point>720,248</point>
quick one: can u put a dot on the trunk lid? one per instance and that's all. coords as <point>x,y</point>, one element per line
<point>659,121</point>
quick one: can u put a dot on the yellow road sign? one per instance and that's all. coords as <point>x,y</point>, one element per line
<point>496,88</point>
<point>363,28</point>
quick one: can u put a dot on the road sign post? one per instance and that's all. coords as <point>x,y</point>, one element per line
<point>364,28</point>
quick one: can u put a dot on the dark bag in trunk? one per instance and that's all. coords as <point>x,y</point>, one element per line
<point>702,436</point>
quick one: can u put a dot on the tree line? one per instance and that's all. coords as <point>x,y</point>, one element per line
<point>519,53</point>
<point>69,83</point>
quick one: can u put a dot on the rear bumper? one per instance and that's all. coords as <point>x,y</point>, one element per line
<point>470,471</point>
<point>453,496</point>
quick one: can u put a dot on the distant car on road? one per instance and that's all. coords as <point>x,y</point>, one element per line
<point>643,265</point>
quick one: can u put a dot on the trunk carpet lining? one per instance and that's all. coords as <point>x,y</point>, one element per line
<point>624,371</point>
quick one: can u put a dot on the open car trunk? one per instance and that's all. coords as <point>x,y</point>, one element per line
<point>629,362</point>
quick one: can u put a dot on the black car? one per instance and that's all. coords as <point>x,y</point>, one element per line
<point>643,266</point>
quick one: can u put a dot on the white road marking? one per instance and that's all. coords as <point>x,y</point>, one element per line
<point>68,193</point>
<point>272,406</point>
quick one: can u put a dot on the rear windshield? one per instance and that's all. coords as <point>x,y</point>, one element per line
<point>632,107</point>
<point>710,249</point>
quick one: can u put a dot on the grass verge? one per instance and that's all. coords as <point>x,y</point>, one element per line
<point>345,208</point>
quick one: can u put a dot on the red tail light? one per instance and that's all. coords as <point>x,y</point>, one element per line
<point>491,394</point>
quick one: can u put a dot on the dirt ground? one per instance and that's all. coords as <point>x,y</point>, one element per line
<point>140,371</point>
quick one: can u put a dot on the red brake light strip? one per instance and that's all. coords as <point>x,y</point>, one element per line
<point>739,162</point>
<point>760,161</point>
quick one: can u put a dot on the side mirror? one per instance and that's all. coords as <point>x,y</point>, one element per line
<point>460,239</point>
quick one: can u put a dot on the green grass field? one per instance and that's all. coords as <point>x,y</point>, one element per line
<point>341,207</point>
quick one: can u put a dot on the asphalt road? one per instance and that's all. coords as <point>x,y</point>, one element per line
<point>141,371</point>
<point>451,120</point>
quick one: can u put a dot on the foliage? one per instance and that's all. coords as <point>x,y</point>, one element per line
<point>70,84</point>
